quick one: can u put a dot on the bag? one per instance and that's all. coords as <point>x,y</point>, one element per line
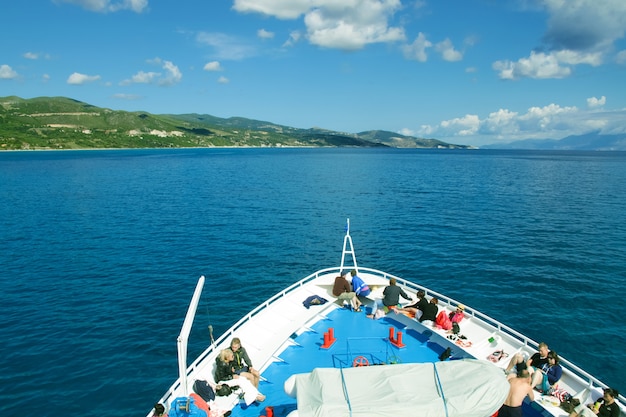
<point>455,328</point>
<point>570,404</point>
<point>445,354</point>
<point>225,390</point>
<point>443,321</point>
<point>204,390</point>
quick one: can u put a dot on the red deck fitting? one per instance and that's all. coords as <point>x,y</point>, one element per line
<point>329,338</point>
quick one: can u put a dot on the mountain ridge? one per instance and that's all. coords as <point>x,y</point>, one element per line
<point>592,141</point>
<point>66,123</point>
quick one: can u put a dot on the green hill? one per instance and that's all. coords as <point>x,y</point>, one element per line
<point>64,123</point>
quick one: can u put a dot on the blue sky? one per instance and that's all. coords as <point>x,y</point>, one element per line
<point>464,71</point>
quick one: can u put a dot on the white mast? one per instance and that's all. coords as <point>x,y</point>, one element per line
<point>184,335</point>
<point>348,248</point>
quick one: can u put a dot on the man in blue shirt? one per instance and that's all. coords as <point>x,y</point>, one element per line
<point>358,286</point>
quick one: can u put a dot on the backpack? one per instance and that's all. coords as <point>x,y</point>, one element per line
<point>204,390</point>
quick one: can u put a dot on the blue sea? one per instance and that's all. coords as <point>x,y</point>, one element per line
<point>100,252</point>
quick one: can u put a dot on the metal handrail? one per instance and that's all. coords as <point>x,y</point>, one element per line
<point>576,372</point>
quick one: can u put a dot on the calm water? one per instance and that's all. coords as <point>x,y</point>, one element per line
<point>100,252</point>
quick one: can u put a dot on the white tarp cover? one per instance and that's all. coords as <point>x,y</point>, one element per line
<point>470,388</point>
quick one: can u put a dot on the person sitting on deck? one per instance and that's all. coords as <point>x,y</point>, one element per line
<point>415,309</point>
<point>536,361</point>
<point>549,374</point>
<point>518,390</point>
<point>343,291</point>
<point>359,287</point>
<point>225,374</point>
<point>429,312</point>
<point>242,363</point>
<point>605,406</point>
<point>391,297</point>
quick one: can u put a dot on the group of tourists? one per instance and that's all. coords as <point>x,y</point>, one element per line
<point>542,372</point>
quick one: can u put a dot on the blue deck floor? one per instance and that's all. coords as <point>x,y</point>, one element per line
<point>356,335</point>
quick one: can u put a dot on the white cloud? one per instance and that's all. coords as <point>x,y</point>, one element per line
<point>538,122</point>
<point>31,55</point>
<point>104,6</point>
<point>353,24</point>
<point>501,122</point>
<point>570,57</point>
<point>172,74</point>
<point>620,57</point>
<point>213,66</point>
<point>226,47</point>
<point>584,25</point>
<point>282,9</point>
<point>417,50</point>
<point>80,79</point>
<point>223,80</point>
<point>129,97</point>
<point>538,65</point>
<point>7,73</point>
<point>578,32</point>
<point>142,78</point>
<point>593,102</point>
<point>264,34</point>
<point>447,51</point>
<point>346,24</point>
<point>463,126</point>
<point>294,38</point>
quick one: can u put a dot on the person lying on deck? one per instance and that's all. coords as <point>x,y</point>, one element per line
<point>458,315</point>
<point>536,361</point>
<point>415,309</point>
<point>429,312</point>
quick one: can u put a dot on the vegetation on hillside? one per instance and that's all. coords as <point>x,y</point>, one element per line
<point>64,123</point>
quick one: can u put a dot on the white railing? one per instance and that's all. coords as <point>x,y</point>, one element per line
<point>584,378</point>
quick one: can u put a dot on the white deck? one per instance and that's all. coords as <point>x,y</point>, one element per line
<point>267,330</point>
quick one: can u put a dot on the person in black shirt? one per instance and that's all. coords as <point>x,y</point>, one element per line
<point>429,312</point>
<point>415,309</point>
<point>536,361</point>
<point>603,407</point>
<point>391,298</point>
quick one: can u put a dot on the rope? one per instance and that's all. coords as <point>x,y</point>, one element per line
<point>208,315</point>
<point>345,391</point>
<point>443,397</point>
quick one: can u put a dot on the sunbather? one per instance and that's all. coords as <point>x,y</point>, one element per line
<point>225,374</point>
<point>242,363</point>
<point>549,374</point>
<point>536,361</point>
